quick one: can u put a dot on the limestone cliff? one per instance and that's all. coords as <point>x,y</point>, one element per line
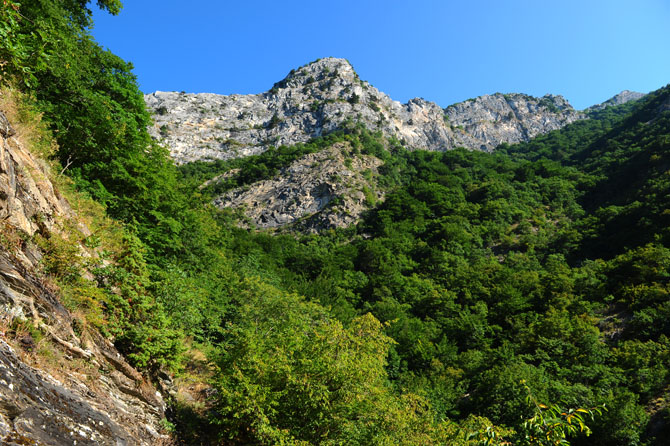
<point>59,385</point>
<point>321,96</point>
<point>324,190</point>
<point>489,120</point>
<point>618,99</point>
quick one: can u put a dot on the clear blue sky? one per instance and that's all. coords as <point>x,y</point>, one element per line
<point>444,51</point>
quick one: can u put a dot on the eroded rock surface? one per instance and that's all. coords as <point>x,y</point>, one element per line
<point>79,390</point>
<point>322,96</point>
<point>487,121</point>
<point>328,189</point>
<point>28,200</point>
<point>618,99</point>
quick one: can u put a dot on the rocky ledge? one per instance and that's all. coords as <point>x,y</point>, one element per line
<point>618,99</point>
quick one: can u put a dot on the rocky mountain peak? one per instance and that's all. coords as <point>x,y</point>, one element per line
<point>321,70</point>
<point>618,99</point>
<point>625,96</point>
<point>324,95</point>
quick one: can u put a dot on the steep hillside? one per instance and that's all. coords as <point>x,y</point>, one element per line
<point>630,163</point>
<point>63,382</point>
<point>321,96</point>
<point>544,264</point>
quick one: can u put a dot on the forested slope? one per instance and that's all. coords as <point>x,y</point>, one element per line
<point>544,262</point>
<point>482,287</point>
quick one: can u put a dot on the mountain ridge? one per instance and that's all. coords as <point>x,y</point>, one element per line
<point>300,195</point>
<point>620,98</point>
<point>322,96</point>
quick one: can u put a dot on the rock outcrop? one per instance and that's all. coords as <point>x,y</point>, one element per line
<point>71,386</point>
<point>618,99</point>
<point>324,190</point>
<point>487,121</point>
<point>322,96</point>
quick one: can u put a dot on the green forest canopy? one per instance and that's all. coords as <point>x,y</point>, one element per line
<point>542,266</point>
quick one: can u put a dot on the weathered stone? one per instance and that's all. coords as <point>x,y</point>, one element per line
<point>328,189</point>
<point>35,406</point>
<point>6,130</point>
<point>40,408</point>
<point>487,121</point>
<point>323,96</point>
<point>27,197</point>
<point>618,99</point>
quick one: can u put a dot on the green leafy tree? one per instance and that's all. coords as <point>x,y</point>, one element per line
<point>290,374</point>
<point>553,425</point>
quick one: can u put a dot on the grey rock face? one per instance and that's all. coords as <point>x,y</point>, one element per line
<point>618,99</point>
<point>328,189</point>
<point>68,401</point>
<point>490,120</point>
<point>37,407</point>
<point>322,96</point>
<point>6,129</point>
<point>26,195</point>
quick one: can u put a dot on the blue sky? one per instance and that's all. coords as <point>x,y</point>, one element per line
<point>444,51</point>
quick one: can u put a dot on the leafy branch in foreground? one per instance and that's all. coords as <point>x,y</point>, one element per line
<point>552,425</point>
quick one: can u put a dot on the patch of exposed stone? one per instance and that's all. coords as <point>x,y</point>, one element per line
<point>328,189</point>
<point>618,99</point>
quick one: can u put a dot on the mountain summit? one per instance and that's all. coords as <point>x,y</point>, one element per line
<point>618,99</point>
<point>324,95</point>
